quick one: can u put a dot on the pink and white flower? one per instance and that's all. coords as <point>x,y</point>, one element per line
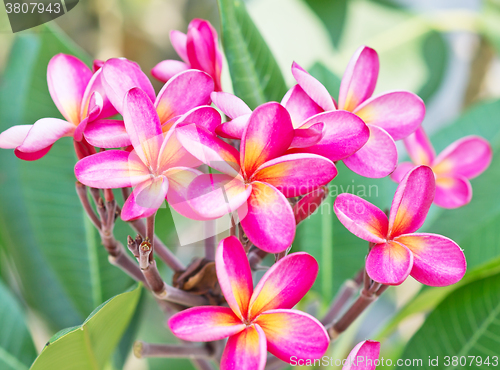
<point>257,320</point>
<point>364,356</point>
<point>399,251</point>
<point>460,161</point>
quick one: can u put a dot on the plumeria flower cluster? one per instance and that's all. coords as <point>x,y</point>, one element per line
<point>262,167</point>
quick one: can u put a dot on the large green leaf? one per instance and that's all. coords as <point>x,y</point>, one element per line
<point>466,323</point>
<point>61,267</point>
<point>332,14</point>
<point>255,74</point>
<point>17,351</point>
<point>90,345</point>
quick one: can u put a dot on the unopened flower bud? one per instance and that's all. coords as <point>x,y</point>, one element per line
<point>309,203</point>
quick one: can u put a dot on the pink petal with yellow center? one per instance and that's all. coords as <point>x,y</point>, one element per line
<point>230,104</point>
<point>300,106</point>
<point>183,92</point>
<point>344,133</point>
<point>233,129</point>
<point>179,179</point>
<point>437,260</point>
<point>389,263</point>
<point>467,157</point>
<point>245,350</point>
<point>94,111</point>
<point>214,195</point>
<point>399,113</point>
<point>363,356</point>
<point>361,218</point>
<point>68,77</point>
<point>96,86</point>
<point>412,201</point>
<point>296,174</point>
<point>401,170</point>
<point>107,134</point>
<point>44,133</point>
<point>268,219</point>
<point>178,40</point>
<point>284,284</point>
<point>420,148</point>
<point>205,324</point>
<point>203,116</point>
<point>360,78</point>
<point>167,69</point>
<point>293,335</point>
<point>377,158</point>
<point>145,199</point>
<point>312,87</point>
<point>306,137</point>
<point>452,192</point>
<point>119,75</point>
<point>143,126</point>
<point>173,154</point>
<point>234,275</point>
<point>268,135</point>
<point>111,169</point>
<point>14,136</point>
<point>209,149</point>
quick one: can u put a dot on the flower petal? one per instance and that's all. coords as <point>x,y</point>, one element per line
<point>360,78</point>
<point>245,350</point>
<point>44,133</point>
<point>203,116</point>
<point>205,324</point>
<point>419,148</point>
<point>143,126</point>
<point>32,156</point>
<point>389,263</point>
<point>306,137</point>
<point>209,149</point>
<point>167,69</point>
<point>467,157</point>
<point>452,192</point>
<point>214,195</point>
<point>121,75</point>
<point>174,154</point>
<point>234,275</point>
<point>14,136</point>
<point>399,113</point>
<point>412,201</point>
<point>178,40</point>
<point>230,104</point>
<point>292,334</point>
<point>145,199</point>
<point>268,135</point>
<point>296,174</point>
<point>284,284</point>
<point>377,158</point>
<point>344,133</point>
<point>269,222</point>
<point>312,87</point>
<point>183,92</point>
<point>96,86</point>
<point>361,218</point>
<point>233,129</point>
<point>107,133</point>
<point>300,106</point>
<point>68,77</point>
<point>401,170</point>
<point>363,356</point>
<point>179,179</point>
<point>111,169</point>
<point>437,260</point>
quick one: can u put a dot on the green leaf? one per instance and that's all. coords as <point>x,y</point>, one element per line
<point>90,345</point>
<point>17,351</point>
<point>489,24</point>
<point>255,74</point>
<point>436,54</point>
<point>465,324</point>
<point>329,79</point>
<point>332,14</point>
<point>61,267</point>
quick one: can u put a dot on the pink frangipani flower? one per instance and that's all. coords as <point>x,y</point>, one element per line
<point>257,180</point>
<point>399,251</point>
<point>257,320</point>
<point>364,356</point>
<point>390,116</point>
<point>198,49</point>
<point>158,167</point>
<point>460,161</point>
<point>184,98</point>
<point>79,96</point>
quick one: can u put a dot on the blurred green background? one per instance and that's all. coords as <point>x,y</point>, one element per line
<point>54,271</point>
